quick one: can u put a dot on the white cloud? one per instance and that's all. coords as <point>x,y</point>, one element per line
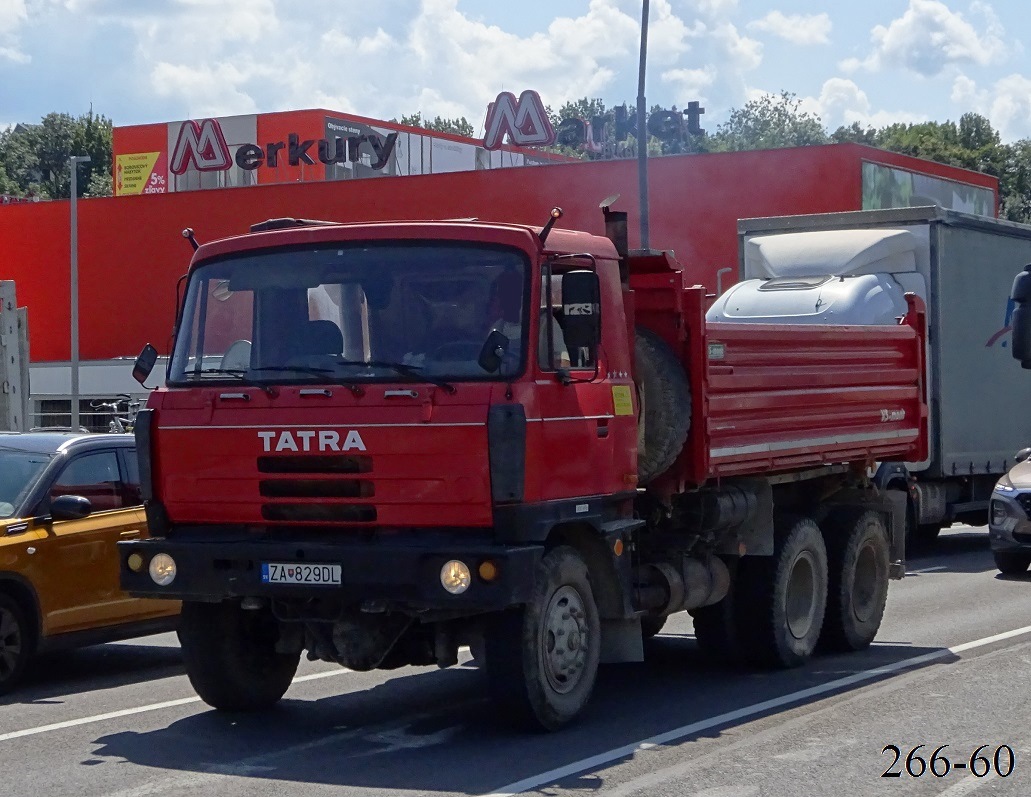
<point>842,102</point>
<point>12,15</point>
<point>1006,104</point>
<point>795,28</point>
<point>928,38</point>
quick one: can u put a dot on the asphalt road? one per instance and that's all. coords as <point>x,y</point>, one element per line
<point>950,667</point>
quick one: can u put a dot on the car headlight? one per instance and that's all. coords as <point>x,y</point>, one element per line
<point>1004,485</point>
<point>162,569</point>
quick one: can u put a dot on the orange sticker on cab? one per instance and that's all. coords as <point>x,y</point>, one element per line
<point>622,400</point>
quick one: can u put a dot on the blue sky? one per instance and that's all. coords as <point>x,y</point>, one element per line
<point>874,62</point>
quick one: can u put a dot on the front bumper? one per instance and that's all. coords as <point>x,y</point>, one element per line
<point>1009,528</point>
<point>400,574</point>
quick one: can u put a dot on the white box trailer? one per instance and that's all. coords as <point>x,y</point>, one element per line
<point>854,268</point>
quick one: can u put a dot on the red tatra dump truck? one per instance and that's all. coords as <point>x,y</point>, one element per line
<point>380,442</point>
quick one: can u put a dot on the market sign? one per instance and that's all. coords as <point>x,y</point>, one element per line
<point>203,145</point>
<point>525,121</point>
<point>140,173</point>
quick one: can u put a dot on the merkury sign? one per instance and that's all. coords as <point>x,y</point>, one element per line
<point>203,145</point>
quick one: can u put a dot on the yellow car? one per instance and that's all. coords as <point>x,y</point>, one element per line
<point>65,499</point>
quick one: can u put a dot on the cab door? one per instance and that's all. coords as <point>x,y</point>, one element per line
<point>77,562</point>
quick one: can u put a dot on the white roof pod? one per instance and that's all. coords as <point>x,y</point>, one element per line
<point>820,252</point>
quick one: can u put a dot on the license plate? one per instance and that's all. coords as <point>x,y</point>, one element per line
<point>293,573</point>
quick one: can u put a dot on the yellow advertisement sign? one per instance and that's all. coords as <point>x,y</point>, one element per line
<point>141,173</point>
<point>622,400</point>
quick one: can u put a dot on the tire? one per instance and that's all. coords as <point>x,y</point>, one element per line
<point>858,561</point>
<point>651,626</point>
<point>539,684</point>
<point>665,400</point>
<point>15,643</point>
<point>1012,563</point>
<point>781,599</point>
<point>231,657</point>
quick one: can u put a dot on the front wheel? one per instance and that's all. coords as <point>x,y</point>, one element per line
<point>231,656</point>
<point>15,643</point>
<point>542,659</point>
<point>1012,563</point>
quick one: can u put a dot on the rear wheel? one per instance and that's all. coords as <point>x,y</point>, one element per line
<point>858,563</point>
<point>1011,563</point>
<point>231,656</point>
<point>542,660</point>
<point>781,599</point>
<point>15,643</point>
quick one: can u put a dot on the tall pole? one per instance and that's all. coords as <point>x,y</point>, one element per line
<point>73,165</point>
<point>642,132</point>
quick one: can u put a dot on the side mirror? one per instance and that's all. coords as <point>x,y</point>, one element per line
<point>581,311</point>
<point>1023,454</point>
<point>144,363</point>
<point>494,349</point>
<point>70,507</point>
<point>1020,321</point>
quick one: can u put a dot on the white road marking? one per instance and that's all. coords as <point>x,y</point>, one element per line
<point>128,712</point>
<point>559,773</point>
<point>967,785</point>
<point>927,569</point>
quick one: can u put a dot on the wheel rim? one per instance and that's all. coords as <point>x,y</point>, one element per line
<point>864,586</point>
<point>800,603</point>
<point>564,640</point>
<point>10,643</point>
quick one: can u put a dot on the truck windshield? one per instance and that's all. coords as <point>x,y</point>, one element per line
<point>396,311</point>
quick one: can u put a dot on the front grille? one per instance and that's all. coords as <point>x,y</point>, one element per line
<point>317,488</point>
<point>315,463</point>
<point>1024,499</point>
<point>320,513</point>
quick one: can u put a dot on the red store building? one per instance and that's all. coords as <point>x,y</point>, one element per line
<point>219,178</point>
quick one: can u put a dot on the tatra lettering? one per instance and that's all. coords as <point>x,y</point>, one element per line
<point>304,440</point>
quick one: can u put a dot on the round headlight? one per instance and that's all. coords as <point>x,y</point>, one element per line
<point>455,577</point>
<point>162,569</point>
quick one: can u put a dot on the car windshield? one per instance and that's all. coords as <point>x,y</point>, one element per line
<point>397,311</point>
<point>19,471</point>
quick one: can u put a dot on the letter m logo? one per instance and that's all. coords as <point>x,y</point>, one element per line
<point>524,120</point>
<point>203,144</point>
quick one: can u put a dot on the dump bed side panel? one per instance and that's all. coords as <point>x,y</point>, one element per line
<point>781,397</point>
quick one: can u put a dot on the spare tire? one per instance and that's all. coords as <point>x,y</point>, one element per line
<point>664,402</point>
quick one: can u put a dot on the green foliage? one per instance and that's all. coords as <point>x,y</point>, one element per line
<point>459,126</point>
<point>34,158</point>
<point>770,122</point>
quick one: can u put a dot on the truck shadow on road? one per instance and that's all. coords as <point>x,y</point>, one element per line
<point>960,551</point>
<point>435,730</point>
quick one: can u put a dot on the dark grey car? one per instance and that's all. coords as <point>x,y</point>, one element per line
<point>1009,523</point>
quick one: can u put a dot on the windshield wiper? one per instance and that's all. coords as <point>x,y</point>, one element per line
<point>411,371</point>
<point>236,373</point>
<point>311,370</point>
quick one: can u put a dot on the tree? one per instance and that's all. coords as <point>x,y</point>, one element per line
<point>459,126</point>
<point>34,158</point>
<point>770,122</point>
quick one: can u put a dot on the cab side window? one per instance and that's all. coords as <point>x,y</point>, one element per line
<point>93,476</point>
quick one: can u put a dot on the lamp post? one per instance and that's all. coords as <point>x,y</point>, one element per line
<point>73,165</point>
<point>642,132</point>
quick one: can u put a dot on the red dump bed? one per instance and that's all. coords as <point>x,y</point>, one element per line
<point>771,398</point>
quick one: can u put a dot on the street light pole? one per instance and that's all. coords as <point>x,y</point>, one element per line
<point>73,165</point>
<point>642,133</point>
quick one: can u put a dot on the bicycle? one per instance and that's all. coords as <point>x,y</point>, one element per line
<point>122,420</point>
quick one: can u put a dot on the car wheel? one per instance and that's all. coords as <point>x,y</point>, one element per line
<point>15,643</point>
<point>1012,563</point>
